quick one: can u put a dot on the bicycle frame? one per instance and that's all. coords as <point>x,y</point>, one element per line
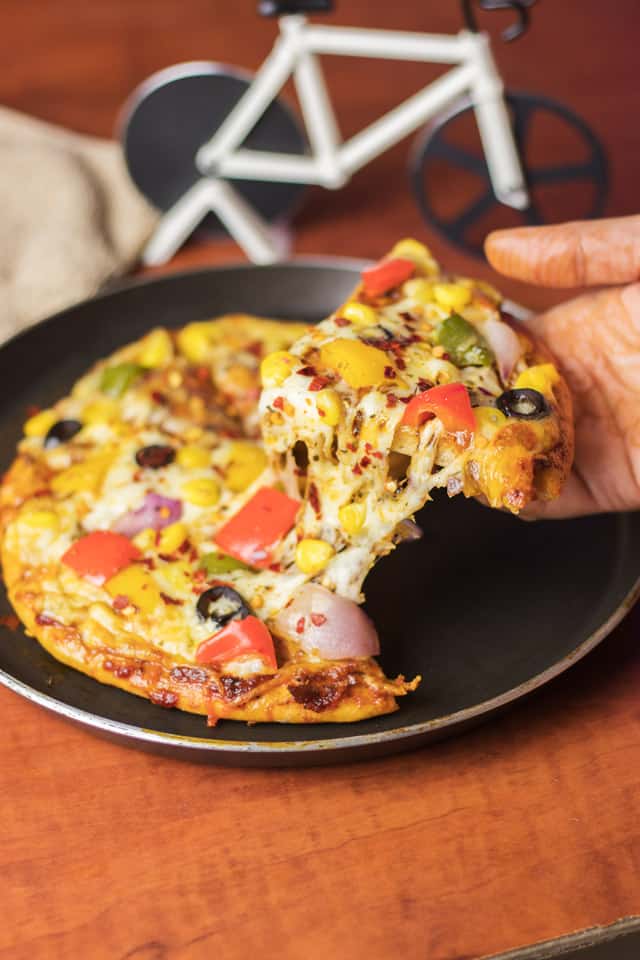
<point>331,161</point>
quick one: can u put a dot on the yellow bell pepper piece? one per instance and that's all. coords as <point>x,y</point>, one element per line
<point>192,457</point>
<point>312,556</point>
<point>137,584</point>
<point>359,313</point>
<point>172,537</point>
<point>156,350</point>
<point>329,406</point>
<point>352,517</point>
<point>246,462</point>
<point>410,249</point>
<point>541,377</point>
<point>40,423</point>
<point>357,363</point>
<point>276,367</point>
<point>194,341</point>
<point>451,296</point>
<point>201,491</point>
<point>84,477</point>
<point>103,410</point>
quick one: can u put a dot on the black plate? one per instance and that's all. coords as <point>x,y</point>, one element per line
<point>485,607</point>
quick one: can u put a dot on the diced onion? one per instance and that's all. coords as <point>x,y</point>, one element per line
<point>505,345</point>
<point>328,625</point>
<point>156,512</point>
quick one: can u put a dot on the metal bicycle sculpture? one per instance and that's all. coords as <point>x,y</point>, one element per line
<point>206,142</point>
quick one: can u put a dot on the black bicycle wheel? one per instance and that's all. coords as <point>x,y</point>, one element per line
<point>169,116</point>
<point>564,164</point>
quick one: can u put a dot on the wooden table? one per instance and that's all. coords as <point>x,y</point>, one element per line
<point>523,830</point>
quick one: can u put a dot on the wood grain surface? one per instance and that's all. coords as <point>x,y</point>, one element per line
<point>523,830</point>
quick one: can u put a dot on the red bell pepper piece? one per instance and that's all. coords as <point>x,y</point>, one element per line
<point>449,402</point>
<point>238,639</point>
<point>100,555</point>
<point>386,274</point>
<point>255,530</point>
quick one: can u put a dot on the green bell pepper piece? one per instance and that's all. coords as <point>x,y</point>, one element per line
<point>215,563</point>
<point>465,346</point>
<point>117,380</point>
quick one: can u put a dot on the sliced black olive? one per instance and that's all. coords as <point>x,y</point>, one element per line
<point>61,432</point>
<point>221,604</point>
<point>525,404</point>
<point>155,456</point>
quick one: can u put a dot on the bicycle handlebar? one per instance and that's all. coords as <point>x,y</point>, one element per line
<point>514,30</point>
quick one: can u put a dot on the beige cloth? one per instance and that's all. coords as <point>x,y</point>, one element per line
<point>70,218</point>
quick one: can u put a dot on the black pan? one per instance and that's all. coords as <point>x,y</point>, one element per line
<point>487,608</point>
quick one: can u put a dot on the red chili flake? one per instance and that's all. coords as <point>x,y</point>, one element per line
<point>319,383</point>
<point>200,575</point>
<point>279,403</point>
<point>44,620</point>
<point>307,371</point>
<point>406,399</point>
<point>42,492</point>
<point>202,373</point>
<point>158,397</point>
<point>321,412</point>
<point>184,547</point>
<point>407,316</point>
<point>390,373</point>
<point>365,462</point>
<point>193,555</point>
<point>171,601</point>
<point>147,562</point>
<point>198,590</point>
<point>423,384</point>
<point>352,446</point>
<point>368,447</point>
<point>317,619</point>
<point>357,470</point>
<point>10,621</point>
<point>31,409</point>
<point>400,364</point>
<point>255,348</point>
<point>120,601</point>
<point>378,454</point>
<point>445,356</point>
<point>314,498</point>
<point>163,698</point>
<point>342,322</point>
<point>392,400</point>
<point>137,476</point>
<point>300,624</point>
<point>276,567</point>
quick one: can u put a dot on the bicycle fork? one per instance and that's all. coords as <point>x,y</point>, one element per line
<point>494,126</point>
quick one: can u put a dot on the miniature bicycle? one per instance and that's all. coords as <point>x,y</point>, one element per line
<point>201,138</point>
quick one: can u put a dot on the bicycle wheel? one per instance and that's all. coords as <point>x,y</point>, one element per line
<point>564,165</point>
<point>172,113</point>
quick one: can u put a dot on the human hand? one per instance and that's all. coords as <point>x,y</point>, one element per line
<point>595,339</point>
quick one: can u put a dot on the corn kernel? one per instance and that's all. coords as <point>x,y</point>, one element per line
<point>451,296</point>
<point>201,491</point>
<point>103,410</point>
<point>145,540</point>
<point>276,367</point>
<point>137,584</point>
<point>357,363</point>
<point>41,519</point>
<point>488,421</point>
<point>172,537</point>
<point>352,517</point>
<point>246,462</point>
<point>312,556</point>
<point>541,377</point>
<point>157,349</point>
<point>359,313</point>
<point>40,423</point>
<point>192,457</point>
<point>410,249</point>
<point>329,407</point>
<point>419,289</point>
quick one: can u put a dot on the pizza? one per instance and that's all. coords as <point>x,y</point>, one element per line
<point>194,522</point>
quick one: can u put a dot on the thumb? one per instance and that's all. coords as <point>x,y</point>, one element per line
<point>569,254</point>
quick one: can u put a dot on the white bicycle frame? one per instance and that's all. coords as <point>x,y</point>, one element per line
<point>332,161</point>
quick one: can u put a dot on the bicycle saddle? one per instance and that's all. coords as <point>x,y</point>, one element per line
<point>281,8</point>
